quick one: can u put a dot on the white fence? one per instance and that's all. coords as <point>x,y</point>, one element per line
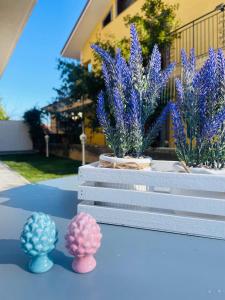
<point>14,136</point>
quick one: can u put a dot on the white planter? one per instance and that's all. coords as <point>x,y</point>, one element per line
<point>201,213</point>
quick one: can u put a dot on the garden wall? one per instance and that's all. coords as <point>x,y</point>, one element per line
<point>92,152</point>
<point>75,152</point>
<point>14,136</point>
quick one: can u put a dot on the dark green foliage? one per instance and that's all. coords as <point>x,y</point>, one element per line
<point>79,83</point>
<point>71,128</point>
<point>34,119</point>
<point>154,26</point>
<point>3,114</point>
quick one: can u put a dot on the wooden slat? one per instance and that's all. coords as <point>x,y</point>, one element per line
<point>199,209</point>
<point>156,221</point>
<point>152,199</point>
<point>214,183</point>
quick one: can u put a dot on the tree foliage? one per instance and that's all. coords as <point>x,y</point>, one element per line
<point>34,119</point>
<point>70,126</point>
<point>79,83</point>
<point>154,25</point>
<point>3,114</point>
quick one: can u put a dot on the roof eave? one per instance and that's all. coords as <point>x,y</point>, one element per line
<point>82,30</point>
<point>16,33</point>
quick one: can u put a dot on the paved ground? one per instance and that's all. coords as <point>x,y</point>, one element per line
<point>10,178</point>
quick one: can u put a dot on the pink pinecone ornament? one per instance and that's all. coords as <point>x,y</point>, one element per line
<point>83,240</point>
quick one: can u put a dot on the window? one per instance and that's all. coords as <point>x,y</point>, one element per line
<point>107,19</point>
<point>123,4</point>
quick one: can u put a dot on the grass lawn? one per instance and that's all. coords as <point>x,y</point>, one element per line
<point>36,167</point>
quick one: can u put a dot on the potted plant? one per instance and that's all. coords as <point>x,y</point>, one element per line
<point>131,96</point>
<point>198,114</point>
<point>161,199</point>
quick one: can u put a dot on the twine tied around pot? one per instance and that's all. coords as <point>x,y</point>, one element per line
<point>126,165</point>
<point>186,168</point>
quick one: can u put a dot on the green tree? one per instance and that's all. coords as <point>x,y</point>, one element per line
<point>34,119</point>
<point>155,25</point>
<point>3,114</point>
<point>79,83</point>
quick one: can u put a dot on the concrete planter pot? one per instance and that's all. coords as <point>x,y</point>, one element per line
<point>129,163</point>
<point>110,161</point>
<point>178,167</point>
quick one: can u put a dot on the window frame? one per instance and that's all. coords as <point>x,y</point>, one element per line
<point>117,7</point>
<point>109,14</point>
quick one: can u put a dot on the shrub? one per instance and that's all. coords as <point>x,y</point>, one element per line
<point>34,119</point>
<point>131,97</point>
<point>199,112</point>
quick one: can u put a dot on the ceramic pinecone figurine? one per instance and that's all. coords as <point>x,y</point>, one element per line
<point>38,238</point>
<point>83,240</point>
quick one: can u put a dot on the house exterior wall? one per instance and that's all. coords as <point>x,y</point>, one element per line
<point>14,136</point>
<point>94,138</point>
<point>115,29</point>
<point>188,11</point>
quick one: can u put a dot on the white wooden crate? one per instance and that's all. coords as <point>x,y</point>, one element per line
<point>159,200</point>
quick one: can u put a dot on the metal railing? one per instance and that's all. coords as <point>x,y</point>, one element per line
<point>207,31</point>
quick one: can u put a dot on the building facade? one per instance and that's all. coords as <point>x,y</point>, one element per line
<point>202,25</point>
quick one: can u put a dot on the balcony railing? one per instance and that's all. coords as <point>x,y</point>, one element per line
<point>200,34</point>
<point>207,31</point>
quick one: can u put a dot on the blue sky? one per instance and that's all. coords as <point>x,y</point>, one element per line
<point>31,73</point>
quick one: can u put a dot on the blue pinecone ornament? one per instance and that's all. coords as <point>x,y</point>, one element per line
<point>38,238</point>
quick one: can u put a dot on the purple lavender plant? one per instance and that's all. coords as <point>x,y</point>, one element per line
<point>131,97</point>
<point>198,115</point>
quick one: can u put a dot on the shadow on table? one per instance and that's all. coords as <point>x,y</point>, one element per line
<point>12,254</point>
<point>59,258</point>
<point>41,197</point>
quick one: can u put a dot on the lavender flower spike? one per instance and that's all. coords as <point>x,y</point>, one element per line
<point>198,116</point>
<point>101,114</point>
<point>131,97</point>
